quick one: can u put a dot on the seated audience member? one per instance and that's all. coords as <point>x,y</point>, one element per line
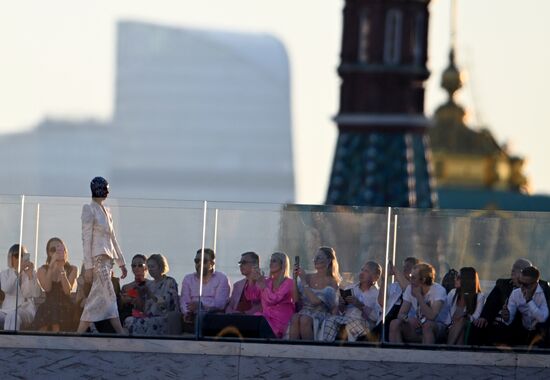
<point>448,281</point>
<point>215,288</point>
<point>465,303</point>
<point>276,294</point>
<point>428,299</point>
<point>361,311</point>
<point>161,309</point>
<point>317,293</point>
<point>530,301</point>
<point>20,297</point>
<point>490,328</point>
<point>245,295</point>
<point>56,278</point>
<point>133,295</point>
<point>395,292</point>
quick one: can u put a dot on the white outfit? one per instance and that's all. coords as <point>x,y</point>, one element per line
<point>394,296</point>
<point>98,235</point>
<point>357,321</point>
<point>532,312</point>
<point>100,249</point>
<point>26,309</point>
<point>436,293</point>
<point>451,306</point>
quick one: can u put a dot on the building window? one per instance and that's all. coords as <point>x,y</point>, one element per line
<point>392,36</point>
<point>363,38</point>
<point>417,38</point>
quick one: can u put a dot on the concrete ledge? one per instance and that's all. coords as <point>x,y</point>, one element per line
<point>75,357</point>
<point>266,350</point>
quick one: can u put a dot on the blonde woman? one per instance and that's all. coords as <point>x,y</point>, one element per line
<point>277,294</point>
<point>317,292</point>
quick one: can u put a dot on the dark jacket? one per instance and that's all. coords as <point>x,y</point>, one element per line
<point>500,293</point>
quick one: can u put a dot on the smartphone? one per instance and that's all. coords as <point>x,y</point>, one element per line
<point>296,261</point>
<point>345,293</point>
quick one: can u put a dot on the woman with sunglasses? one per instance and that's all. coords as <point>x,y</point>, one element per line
<point>317,294</point>
<point>465,303</point>
<point>57,278</point>
<point>161,307</point>
<point>132,295</point>
<point>276,293</point>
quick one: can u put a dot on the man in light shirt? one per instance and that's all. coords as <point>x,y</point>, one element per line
<point>529,300</point>
<point>360,309</point>
<point>428,299</point>
<point>215,289</point>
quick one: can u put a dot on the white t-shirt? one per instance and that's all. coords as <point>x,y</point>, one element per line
<point>436,293</point>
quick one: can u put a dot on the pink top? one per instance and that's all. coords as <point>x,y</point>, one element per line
<point>215,292</point>
<point>278,305</point>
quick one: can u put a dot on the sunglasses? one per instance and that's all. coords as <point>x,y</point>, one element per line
<point>142,265</point>
<point>199,260</point>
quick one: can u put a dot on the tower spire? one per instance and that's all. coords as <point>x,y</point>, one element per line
<point>382,157</point>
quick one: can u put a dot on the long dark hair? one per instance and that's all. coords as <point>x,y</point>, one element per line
<point>469,288</point>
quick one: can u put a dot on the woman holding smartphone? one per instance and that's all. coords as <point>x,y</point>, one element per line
<point>317,292</point>
<point>276,294</point>
<point>18,304</point>
<point>57,278</point>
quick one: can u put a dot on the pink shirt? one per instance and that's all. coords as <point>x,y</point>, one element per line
<point>215,292</point>
<point>278,305</point>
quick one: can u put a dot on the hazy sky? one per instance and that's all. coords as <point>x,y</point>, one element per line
<point>57,59</point>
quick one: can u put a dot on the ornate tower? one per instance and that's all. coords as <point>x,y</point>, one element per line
<point>382,156</point>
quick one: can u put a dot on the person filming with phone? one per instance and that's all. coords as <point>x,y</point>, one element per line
<point>18,297</point>
<point>317,294</point>
<point>359,308</point>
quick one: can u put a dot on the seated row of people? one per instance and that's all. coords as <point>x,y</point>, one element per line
<point>515,313</point>
<point>309,306</point>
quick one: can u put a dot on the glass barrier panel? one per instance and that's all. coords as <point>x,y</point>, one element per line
<point>10,295</point>
<point>357,235</point>
<point>490,242</point>
<point>170,228</point>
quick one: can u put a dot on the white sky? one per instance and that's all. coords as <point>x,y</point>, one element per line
<point>57,59</point>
